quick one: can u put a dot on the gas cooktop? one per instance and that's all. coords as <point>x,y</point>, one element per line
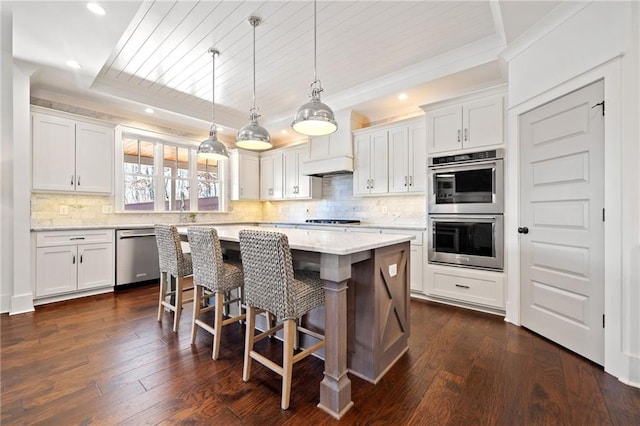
<point>334,221</point>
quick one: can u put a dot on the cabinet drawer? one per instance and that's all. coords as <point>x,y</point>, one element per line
<point>75,237</point>
<point>477,287</point>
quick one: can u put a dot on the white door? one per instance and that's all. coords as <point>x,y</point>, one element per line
<point>362,165</point>
<point>291,174</point>
<point>95,265</point>
<point>482,122</point>
<point>379,163</point>
<point>561,205</point>
<point>56,270</point>
<point>54,145</point>
<point>417,157</point>
<point>444,132</point>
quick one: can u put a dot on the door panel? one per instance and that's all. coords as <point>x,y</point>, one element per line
<point>561,201</point>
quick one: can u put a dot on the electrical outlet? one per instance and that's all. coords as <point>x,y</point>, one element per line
<point>106,209</point>
<point>384,209</point>
<point>64,210</point>
<point>393,270</point>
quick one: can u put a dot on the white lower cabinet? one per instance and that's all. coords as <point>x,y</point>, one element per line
<point>68,262</point>
<point>473,286</point>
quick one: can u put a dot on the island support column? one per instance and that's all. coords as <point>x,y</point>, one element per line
<point>335,388</point>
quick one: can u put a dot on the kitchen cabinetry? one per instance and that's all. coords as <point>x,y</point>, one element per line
<point>408,157</point>
<point>71,155</point>
<point>73,261</point>
<point>370,174</point>
<point>245,175</point>
<point>469,286</point>
<point>271,179</point>
<point>470,123</point>
<point>297,185</point>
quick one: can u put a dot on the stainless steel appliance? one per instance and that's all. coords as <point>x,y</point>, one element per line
<point>136,256</point>
<point>467,240</point>
<point>467,183</point>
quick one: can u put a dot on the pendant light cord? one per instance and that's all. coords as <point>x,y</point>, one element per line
<point>253,24</point>
<point>315,43</point>
<point>213,91</point>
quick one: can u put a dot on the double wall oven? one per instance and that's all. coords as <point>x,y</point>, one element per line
<point>466,206</point>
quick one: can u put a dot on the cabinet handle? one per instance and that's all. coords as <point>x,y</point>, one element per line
<point>458,135</point>
<point>410,180</point>
<point>78,182</point>
<point>270,191</point>
<point>241,191</point>
<point>71,180</point>
<point>466,134</point>
<point>405,181</point>
<point>373,183</point>
<point>76,238</point>
<point>80,258</point>
<point>462,286</point>
<point>73,260</point>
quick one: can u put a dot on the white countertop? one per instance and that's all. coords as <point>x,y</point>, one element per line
<point>315,240</point>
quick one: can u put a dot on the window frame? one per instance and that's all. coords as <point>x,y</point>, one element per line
<point>160,140</point>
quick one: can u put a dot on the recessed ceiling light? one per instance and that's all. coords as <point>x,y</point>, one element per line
<point>149,110</point>
<point>74,64</point>
<point>220,128</point>
<point>403,96</point>
<point>96,8</point>
<point>284,132</point>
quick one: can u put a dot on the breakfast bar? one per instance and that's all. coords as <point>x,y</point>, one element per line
<point>366,312</point>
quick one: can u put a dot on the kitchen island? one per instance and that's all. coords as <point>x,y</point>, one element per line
<point>366,312</point>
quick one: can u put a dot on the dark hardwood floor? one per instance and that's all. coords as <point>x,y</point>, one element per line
<point>105,360</point>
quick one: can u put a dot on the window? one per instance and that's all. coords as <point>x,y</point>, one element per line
<point>163,173</point>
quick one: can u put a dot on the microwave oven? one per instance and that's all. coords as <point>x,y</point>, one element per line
<point>470,183</point>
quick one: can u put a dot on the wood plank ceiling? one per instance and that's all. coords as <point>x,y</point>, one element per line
<point>163,52</point>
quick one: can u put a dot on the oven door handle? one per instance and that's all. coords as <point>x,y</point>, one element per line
<point>452,168</point>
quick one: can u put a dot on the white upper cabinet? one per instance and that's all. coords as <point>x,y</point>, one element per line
<point>370,174</point>
<point>297,185</point>
<point>407,157</point>
<point>472,123</point>
<point>271,179</point>
<point>71,155</point>
<point>245,175</point>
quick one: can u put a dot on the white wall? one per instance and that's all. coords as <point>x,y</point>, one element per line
<point>6,147</point>
<point>577,44</point>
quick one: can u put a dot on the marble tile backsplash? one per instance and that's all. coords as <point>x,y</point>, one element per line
<point>337,202</point>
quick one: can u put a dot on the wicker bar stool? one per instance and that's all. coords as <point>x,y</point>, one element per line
<point>213,277</point>
<point>173,263</point>
<point>270,285</point>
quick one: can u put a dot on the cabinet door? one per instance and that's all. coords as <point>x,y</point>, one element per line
<point>291,173</point>
<point>483,122</point>
<point>249,177</point>
<point>95,266</point>
<point>362,165</point>
<point>417,157</point>
<point>444,132</point>
<point>416,269</point>
<point>56,270</point>
<point>53,153</point>
<point>94,158</point>
<point>379,163</point>
<point>399,159</point>
<point>271,177</point>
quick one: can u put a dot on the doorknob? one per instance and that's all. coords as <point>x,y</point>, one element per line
<point>523,230</point>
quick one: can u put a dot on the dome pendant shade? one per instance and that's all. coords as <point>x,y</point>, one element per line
<point>212,148</point>
<point>314,119</point>
<point>253,135</point>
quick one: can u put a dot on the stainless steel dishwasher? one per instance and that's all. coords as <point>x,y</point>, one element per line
<point>136,256</point>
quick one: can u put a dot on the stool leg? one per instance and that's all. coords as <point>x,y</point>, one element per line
<point>287,361</point>
<point>249,338</point>
<point>217,323</point>
<point>197,304</point>
<point>163,294</point>
<point>178,306</point>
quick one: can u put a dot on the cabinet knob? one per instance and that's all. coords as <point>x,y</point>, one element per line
<point>523,230</point>
<point>73,259</point>
<point>71,180</point>
<point>410,180</point>
<point>466,134</point>
<point>78,181</point>
<point>405,181</point>
<point>458,135</point>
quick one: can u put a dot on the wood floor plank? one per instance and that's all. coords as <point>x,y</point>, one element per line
<point>106,360</point>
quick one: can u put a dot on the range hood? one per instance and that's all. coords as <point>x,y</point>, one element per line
<point>328,166</point>
<point>333,154</point>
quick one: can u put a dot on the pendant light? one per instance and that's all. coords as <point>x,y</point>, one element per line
<point>315,118</point>
<point>253,135</point>
<point>212,148</point>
